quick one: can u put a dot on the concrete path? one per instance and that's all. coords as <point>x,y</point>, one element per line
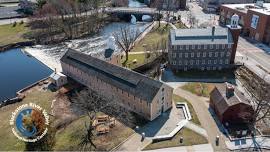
<point>196,128</point>
<point>194,148</point>
<point>262,142</point>
<point>207,121</point>
<point>134,143</point>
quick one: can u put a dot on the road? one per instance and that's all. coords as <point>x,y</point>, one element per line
<point>255,56</point>
<point>9,12</point>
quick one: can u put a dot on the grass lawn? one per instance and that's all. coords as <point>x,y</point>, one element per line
<point>141,59</point>
<point>189,138</point>
<point>10,34</point>
<point>198,88</point>
<point>69,138</point>
<point>153,38</point>
<point>8,141</point>
<point>194,116</point>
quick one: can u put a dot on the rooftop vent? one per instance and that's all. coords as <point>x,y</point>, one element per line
<point>229,90</point>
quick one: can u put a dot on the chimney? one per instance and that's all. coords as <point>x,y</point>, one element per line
<point>213,32</point>
<point>229,90</point>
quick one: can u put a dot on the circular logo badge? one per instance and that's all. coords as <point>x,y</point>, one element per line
<point>29,122</point>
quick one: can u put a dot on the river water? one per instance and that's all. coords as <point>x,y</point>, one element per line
<point>19,70</point>
<point>50,54</point>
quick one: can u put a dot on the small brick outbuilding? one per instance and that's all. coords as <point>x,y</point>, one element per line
<point>230,105</point>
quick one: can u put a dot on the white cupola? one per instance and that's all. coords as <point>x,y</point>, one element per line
<point>234,21</point>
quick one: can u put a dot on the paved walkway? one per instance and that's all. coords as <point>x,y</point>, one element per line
<point>196,128</point>
<point>134,143</point>
<point>207,121</point>
<point>194,148</point>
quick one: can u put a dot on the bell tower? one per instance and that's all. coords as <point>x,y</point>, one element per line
<point>235,30</point>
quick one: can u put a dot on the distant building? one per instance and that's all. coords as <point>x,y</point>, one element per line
<point>214,5</point>
<point>254,18</point>
<point>169,4</point>
<point>230,105</point>
<point>136,92</point>
<point>203,49</point>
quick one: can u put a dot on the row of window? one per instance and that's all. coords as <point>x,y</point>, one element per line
<point>199,54</point>
<point>206,68</point>
<point>199,62</point>
<point>203,46</point>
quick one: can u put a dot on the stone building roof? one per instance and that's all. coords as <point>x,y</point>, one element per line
<point>201,36</point>
<point>132,82</point>
<point>222,102</point>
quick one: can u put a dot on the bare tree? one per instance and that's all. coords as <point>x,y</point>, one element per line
<point>125,40</point>
<point>261,101</point>
<point>92,103</point>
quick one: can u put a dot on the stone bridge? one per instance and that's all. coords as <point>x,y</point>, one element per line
<point>126,12</point>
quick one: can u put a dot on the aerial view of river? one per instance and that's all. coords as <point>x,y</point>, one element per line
<point>19,70</point>
<point>50,54</point>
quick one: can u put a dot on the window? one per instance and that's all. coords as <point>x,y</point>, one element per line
<point>217,46</point>
<point>220,61</point>
<point>198,54</point>
<point>193,47</point>
<point>174,62</point>
<point>192,54</point>
<point>210,54</point>
<point>230,46</point>
<point>199,46</point>
<point>222,54</point>
<point>209,61</point>
<point>180,62</point>
<point>216,54</point>
<point>203,61</point>
<point>197,62</point>
<point>191,62</point>
<point>204,54</point>
<point>211,46</point>
<point>227,61</point>
<point>186,55</point>
<point>181,47</point>
<point>187,47</point>
<point>174,55</point>
<point>186,62</point>
<point>205,46</point>
<point>223,46</point>
<point>228,54</point>
<point>180,55</point>
<point>215,61</point>
<point>162,89</point>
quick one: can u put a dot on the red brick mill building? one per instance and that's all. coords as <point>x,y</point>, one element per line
<point>230,105</point>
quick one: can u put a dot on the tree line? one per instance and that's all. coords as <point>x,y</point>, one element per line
<point>56,20</point>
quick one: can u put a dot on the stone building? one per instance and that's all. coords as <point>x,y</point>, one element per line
<point>134,91</point>
<point>230,105</point>
<point>203,49</point>
<point>253,17</point>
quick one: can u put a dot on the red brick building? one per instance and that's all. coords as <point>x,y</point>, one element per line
<point>230,105</point>
<point>254,19</point>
